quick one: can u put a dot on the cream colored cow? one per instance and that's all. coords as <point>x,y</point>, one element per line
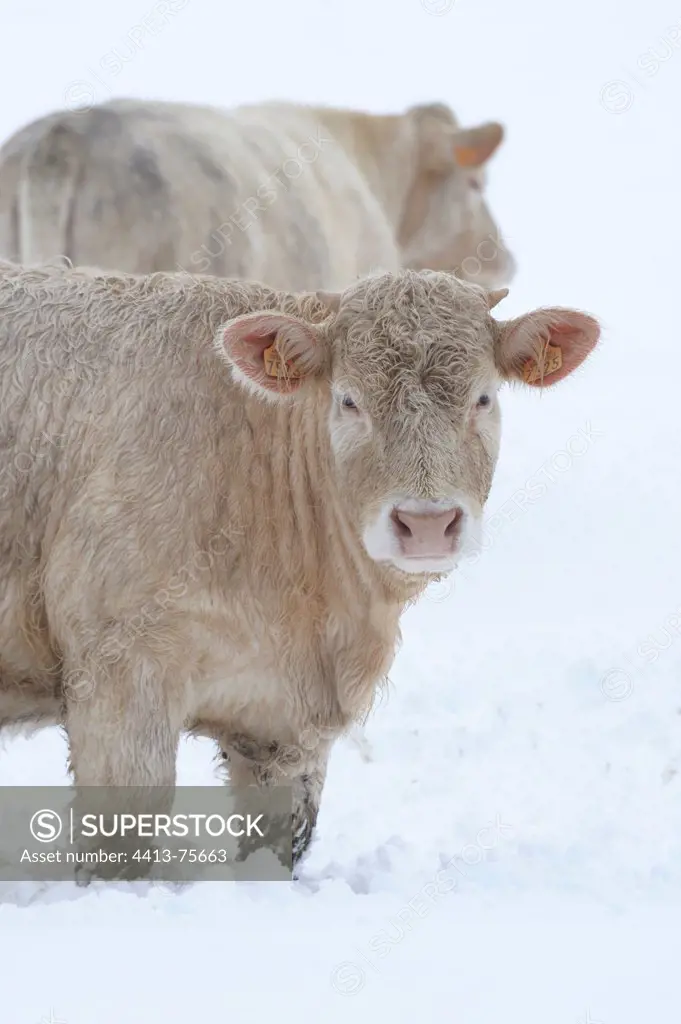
<point>217,499</point>
<point>299,197</point>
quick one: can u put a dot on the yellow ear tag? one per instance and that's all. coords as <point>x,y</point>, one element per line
<point>553,360</point>
<point>276,366</point>
<point>467,156</point>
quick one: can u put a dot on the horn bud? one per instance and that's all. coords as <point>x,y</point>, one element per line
<point>495,297</point>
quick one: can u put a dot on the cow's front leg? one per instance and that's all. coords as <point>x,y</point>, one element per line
<point>123,734</point>
<point>307,795</point>
<point>271,764</point>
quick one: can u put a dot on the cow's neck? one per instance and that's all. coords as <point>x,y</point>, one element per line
<point>383,147</point>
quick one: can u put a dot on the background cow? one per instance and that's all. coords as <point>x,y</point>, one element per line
<point>300,197</point>
<point>218,499</point>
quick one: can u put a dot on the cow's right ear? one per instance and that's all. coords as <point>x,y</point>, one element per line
<point>473,147</point>
<point>271,352</point>
<point>444,146</point>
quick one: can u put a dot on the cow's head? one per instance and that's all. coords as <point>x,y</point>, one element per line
<point>406,370</point>
<point>446,224</point>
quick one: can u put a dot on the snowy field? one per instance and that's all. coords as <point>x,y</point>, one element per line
<point>512,855</point>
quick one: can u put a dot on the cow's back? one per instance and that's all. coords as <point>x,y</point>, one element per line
<point>261,192</point>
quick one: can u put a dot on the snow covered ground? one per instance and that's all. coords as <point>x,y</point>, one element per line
<point>513,852</point>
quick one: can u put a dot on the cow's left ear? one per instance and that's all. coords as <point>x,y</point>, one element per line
<point>271,352</point>
<point>543,347</point>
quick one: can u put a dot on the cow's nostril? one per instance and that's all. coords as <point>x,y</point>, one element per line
<point>402,529</point>
<point>456,519</point>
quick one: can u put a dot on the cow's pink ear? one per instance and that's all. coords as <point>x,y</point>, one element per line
<point>543,347</point>
<point>474,146</point>
<point>271,352</point>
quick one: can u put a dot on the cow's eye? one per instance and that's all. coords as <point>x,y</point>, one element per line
<point>483,401</point>
<point>348,403</point>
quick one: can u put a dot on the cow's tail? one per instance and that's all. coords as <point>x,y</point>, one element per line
<point>46,192</point>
